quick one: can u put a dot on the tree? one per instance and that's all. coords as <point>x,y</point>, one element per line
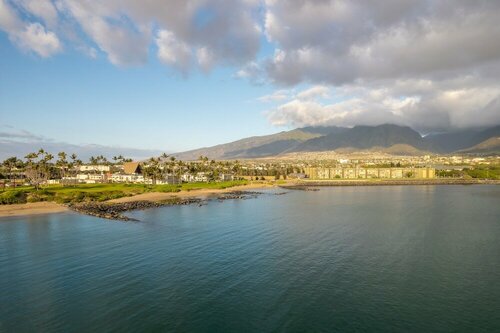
<point>38,167</point>
<point>153,170</point>
<point>62,164</point>
<point>75,164</point>
<point>10,164</point>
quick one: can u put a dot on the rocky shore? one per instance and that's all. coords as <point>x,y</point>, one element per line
<point>304,185</point>
<point>114,211</point>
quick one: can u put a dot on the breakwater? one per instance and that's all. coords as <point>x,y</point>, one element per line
<point>114,211</point>
<point>384,182</point>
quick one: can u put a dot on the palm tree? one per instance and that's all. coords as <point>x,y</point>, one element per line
<point>62,163</point>
<point>153,170</point>
<point>38,167</point>
<point>10,164</point>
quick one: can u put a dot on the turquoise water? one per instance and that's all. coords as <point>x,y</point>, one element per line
<point>344,259</point>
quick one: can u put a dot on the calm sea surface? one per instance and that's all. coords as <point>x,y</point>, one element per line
<point>345,259</point>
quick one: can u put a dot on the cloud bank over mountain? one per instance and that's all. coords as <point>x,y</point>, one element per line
<point>427,64</point>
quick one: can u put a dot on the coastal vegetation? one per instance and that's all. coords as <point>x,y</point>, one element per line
<point>479,172</point>
<point>41,176</point>
<point>99,192</point>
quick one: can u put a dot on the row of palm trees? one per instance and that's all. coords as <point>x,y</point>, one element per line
<point>38,167</point>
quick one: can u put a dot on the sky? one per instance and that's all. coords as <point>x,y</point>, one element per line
<point>182,74</point>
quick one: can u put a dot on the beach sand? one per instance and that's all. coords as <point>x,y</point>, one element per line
<point>37,208</point>
<point>201,193</point>
<point>34,208</point>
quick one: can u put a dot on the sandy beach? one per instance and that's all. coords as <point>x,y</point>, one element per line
<point>201,193</point>
<point>34,208</point>
<point>37,208</point>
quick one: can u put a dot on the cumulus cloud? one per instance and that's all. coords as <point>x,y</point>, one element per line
<point>43,9</point>
<point>422,104</point>
<point>214,32</point>
<point>172,51</point>
<point>338,42</point>
<point>432,63</point>
<point>276,96</point>
<point>124,43</point>
<point>427,64</point>
<point>29,36</point>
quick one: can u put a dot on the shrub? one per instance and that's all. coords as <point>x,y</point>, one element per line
<point>12,197</point>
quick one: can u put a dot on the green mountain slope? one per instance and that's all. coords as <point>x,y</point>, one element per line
<point>388,138</point>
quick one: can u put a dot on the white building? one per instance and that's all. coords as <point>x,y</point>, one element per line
<point>130,178</point>
<point>98,168</point>
<point>226,177</point>
<point>199,177</point>
<point>91,178</point>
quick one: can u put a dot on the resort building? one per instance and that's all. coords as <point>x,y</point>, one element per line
<point>226,177</point>
<point>98,168</point>
<point>121,178</point>
<point>366,173</point>
<point>91,178</point>
<point>131,168</point>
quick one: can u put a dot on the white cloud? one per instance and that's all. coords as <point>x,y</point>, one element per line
<point>124,45</point>
<point>276,96</point>
<point>205,58</point>
<point>32,37</point>
<point>43,9</point>
<point>428,64</point>
<point>35,38</point>
<point>423,105</point>
<point>173,52</point>
<point>338,42</point>
<point>314,92</point>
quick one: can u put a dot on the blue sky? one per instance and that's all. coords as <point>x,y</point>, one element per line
<point>182,74</point>
<point>75,99</point>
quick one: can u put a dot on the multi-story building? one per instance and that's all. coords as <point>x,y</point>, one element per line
<point>365,173</point>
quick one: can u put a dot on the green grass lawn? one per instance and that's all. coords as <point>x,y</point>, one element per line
<point>98,192</point>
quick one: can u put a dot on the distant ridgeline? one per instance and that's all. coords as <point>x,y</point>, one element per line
<point>390,139</point>
<point>367,173</point>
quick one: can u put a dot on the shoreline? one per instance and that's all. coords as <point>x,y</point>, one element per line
<point>152,198</point>
<point>386,182</point>
<point>32,208</point>
<point>193,194</point>
<point>46,207</point>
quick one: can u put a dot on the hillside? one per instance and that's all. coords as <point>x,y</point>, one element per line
<point>387,138</point>
<point>460,140</point>
<point>365,137</point>
<point>489,146</point>
<point>260,146</point>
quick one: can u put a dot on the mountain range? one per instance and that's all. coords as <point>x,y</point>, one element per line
<point>388,138</point>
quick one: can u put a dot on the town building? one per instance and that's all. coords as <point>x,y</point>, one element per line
<point>366,173</point>
<point>97,168</point>
<point>131,168</point>
<point>129,178</point>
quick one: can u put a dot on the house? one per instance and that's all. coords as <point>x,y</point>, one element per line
<point>226,177</point>
<point>131,168</point>
<point>199,177</point>
<point>91,178</point>
<point>133,178</point>
<point>172,179</point>
<point>188,178</point>
<point>98,168</point>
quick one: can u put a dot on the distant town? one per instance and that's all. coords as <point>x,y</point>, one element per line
<point>42,168</point>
